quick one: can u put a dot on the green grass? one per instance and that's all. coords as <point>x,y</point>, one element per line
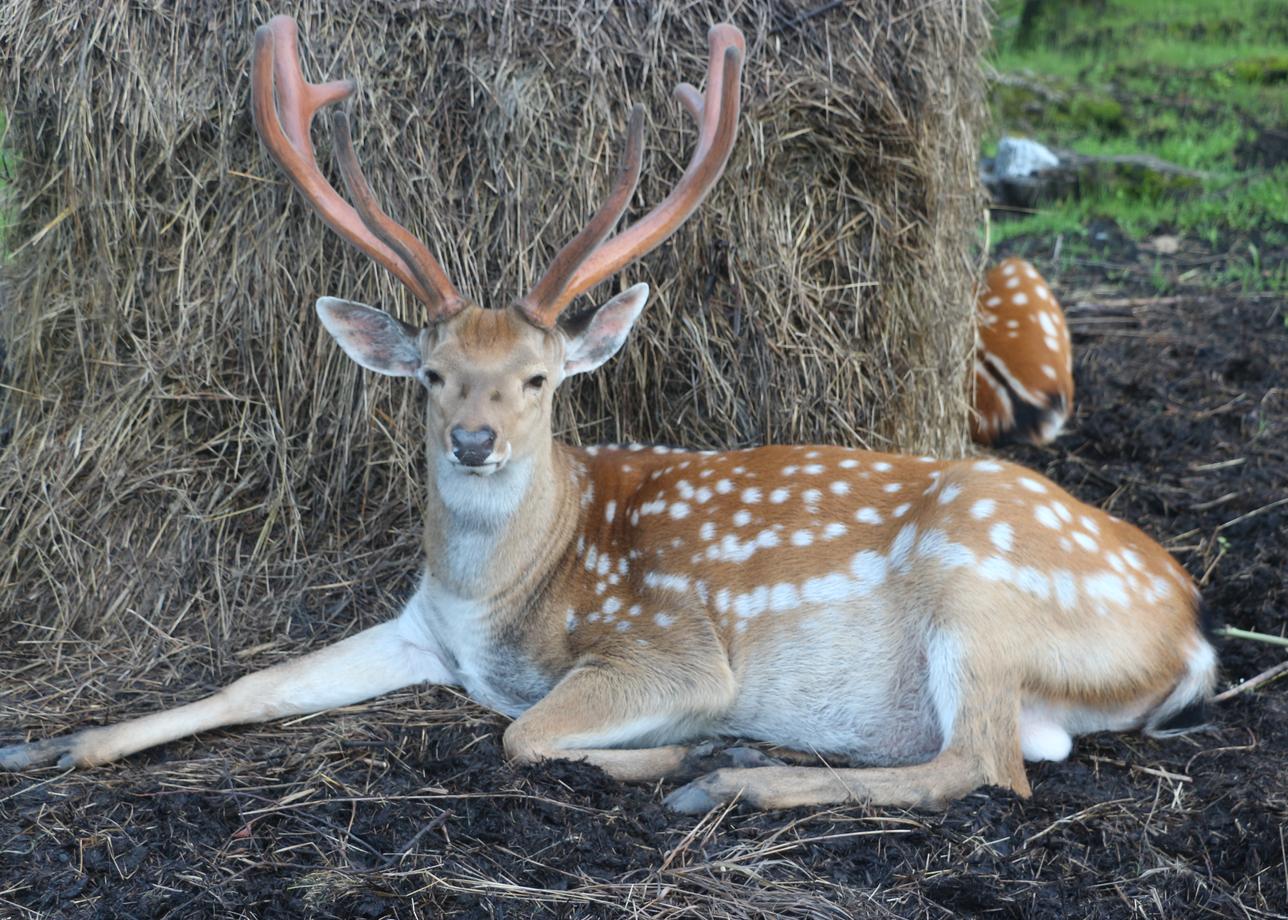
<point>1187,80</point>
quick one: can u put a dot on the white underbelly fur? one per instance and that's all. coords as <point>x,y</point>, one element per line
<point>834,681</point>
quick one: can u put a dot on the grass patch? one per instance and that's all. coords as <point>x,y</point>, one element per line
<point>1194,82</point>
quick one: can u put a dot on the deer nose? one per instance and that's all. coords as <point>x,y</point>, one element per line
<point>473,448</point>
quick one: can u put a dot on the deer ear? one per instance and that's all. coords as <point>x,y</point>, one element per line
<point>606,331</point>
<point>373,338</point>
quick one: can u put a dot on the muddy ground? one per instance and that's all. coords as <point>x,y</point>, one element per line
<point>403,808</point>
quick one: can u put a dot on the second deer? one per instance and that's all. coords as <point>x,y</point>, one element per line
<point>1023,359</point>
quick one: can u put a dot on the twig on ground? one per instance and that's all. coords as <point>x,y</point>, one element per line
<point>1232,632</point>
<point>1252,683</point>
<point>1253,513</point>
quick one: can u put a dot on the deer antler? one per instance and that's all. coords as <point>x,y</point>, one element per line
<point>543,298</point>
<point>586,260</point>
<point>284,126</point>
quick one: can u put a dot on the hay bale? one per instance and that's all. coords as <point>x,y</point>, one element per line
<point>190,451</point>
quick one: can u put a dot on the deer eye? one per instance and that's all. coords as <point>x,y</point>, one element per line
<point>536,381</point>
<point>432,378</point>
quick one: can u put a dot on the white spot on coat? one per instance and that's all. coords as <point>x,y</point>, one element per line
<point>1032,581</point>
<point>869,570</point>
<point>1066,588</point>
<point>1107,586</point>
<point>901,547</point>
<point>1046,517</point>
<point>784,597</point>
<point>935,545</point>
<point>831,589</point>
<point>1085,541</point>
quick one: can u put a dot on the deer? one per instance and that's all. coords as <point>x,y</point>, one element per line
<point>1023,367</point>
<point>925,625</point>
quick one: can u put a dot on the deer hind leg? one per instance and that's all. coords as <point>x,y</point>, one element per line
<point>375,661</point>
<point>599,708</point>
<point>978,709</point>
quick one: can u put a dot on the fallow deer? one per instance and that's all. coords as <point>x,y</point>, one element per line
<point>1023,359</point>
<point>934,621</point>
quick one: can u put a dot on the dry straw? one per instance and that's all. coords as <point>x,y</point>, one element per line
<point>193,468</point>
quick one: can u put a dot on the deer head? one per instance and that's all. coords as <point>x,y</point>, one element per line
<point>490,373</point>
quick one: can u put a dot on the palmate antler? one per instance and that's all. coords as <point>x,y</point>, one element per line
<point>586,260</point>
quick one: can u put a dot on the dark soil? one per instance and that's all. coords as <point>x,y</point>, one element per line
<point>405,808</point>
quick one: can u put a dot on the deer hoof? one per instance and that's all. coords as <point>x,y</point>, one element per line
<point>37,753</point>
<point>691,799</point>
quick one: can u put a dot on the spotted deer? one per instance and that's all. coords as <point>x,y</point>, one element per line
<point>925,624</point>
<point>1023,359</point>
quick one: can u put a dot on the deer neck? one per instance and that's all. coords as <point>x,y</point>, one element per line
<point>496,538</point>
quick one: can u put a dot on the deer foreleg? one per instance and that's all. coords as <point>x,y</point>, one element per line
<point>378,660</point>
<point>598,710</point>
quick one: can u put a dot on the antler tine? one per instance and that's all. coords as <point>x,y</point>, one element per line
<point>717,118</point>
<point>540,306</point>
<point>285,130</point>
<point>423,266</point>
